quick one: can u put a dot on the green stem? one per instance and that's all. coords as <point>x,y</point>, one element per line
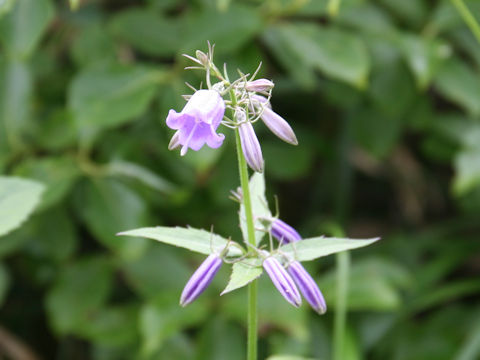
<point>343,268</point>
<point>344,186</point>
<point>468,17</point>
<point>252,287</point>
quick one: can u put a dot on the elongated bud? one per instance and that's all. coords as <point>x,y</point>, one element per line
<point>259,85</point>
<point>283,232</point>
<point>200,279</point>
<point>279,126</point>
<point>202,57</point>
<point>308,287</point>
<point>251,147</point>
<point>282,281</point>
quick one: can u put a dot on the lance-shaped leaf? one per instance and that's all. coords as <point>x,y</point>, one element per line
<point>259,206</point>
<point>313,248</point>
<point>242,274</point>
<point>18,198</point>
<point>201,241</point>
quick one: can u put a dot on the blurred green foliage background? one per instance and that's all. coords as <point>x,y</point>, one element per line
<point>385,101</point>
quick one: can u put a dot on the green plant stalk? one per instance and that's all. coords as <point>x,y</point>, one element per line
<point>343,269</point>
<point>342,259</point>
<point>252,287</point>
<point>468,17</point>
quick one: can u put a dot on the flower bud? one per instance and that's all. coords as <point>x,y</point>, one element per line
<point>259,85</point>
<point>250,146</point>
<point>283,232</point>
<point>278,126</point>
<point>282,281</point>
<point>200,279</point>
<point>308,287</point>
<point>202,57</point>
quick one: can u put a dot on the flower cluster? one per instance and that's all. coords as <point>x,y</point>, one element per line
<point>287,279</point>
<point>248,100</point>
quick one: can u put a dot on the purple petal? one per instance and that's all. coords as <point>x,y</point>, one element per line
<point>282,281</point>
<point>200,279</point>
<point>283,232</point>
<point>308,287</point>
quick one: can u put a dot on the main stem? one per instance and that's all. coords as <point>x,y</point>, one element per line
<point>252,287</point>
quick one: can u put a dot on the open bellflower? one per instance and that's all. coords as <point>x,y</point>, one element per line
<point>277,125</point>
<point>283,232</point>
<point>197,123</point>
<point>308,287</point>
<point>250,146</point>
<point>282,281</point>
<point>200,279</point>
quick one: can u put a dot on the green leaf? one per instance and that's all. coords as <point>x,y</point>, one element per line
<point>112,326</point>
<point>110,95</point>
<point>57,131</point>
<point>459,83</point>
<point>57,173</point>
<point>140,173</point>
<point>51,235</point>
<point>228,30</point>
<point>374,285</point>
<point>22,29</point>
<point>18,198</point>
<point>146,278</point>
<point>196,240</point>
<point>242,274</point>
<point>339,54</point>
<point>93,44</point>
<point>313,248</point>
<point>259,207</point>
<point>423,56</point>
<point>160,320</point>
<point>153,35</point>
<point>15,93</point>
<point>107,206</point>
<point>81,288</point>
<point>467,171</point>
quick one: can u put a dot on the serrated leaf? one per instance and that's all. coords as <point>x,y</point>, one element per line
<point>242,274</point>
<point>18,198</point>
<point>259,207</point>
<point>313,248</point>
<point>196,240</point>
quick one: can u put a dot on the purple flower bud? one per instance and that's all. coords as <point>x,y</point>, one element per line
<point>198,121</point>
<point>259,85</point>
<point>282,281</point>
<point>251,147</point>
<point>278,126</point>
<point>308,287</point>
<point>199,281</point>
<point>283,232</point>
